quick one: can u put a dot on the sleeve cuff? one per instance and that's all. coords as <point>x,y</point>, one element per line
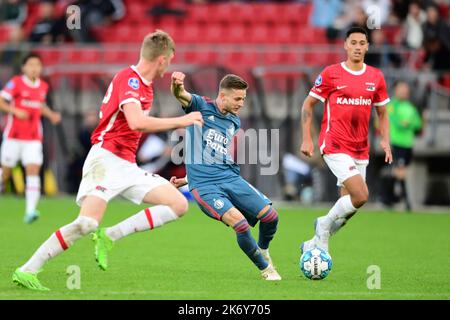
<point>315,95</point>
<point>382,103</point>
<point>129,100</point>
<point>6,95</point>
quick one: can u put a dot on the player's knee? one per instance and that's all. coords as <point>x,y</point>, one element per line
<point>180,207</point>
<point>85,225</point>
<point>270,217</point>
<point>360,198</point>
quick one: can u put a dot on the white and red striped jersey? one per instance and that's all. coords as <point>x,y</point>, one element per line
<point>348,97</point>
<point>30,96</point>
<point>113,132</point>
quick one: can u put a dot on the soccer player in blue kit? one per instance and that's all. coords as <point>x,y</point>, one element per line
<point>214,178</point>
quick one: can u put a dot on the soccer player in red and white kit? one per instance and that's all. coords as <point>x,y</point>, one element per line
<point>110,168</point>
<point>24,99</point>
<point>348,91</point>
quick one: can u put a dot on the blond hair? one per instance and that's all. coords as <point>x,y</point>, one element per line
<point>155,44</point>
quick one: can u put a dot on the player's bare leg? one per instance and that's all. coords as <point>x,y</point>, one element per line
<point>32,192</point>
<point>234,218</point>
<point>170,205</point>
<point>92,211</point>
<point>354,194</point>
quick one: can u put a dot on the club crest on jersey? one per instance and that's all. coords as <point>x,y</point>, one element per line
<point>218,204</point>
<point>370,86</point>
<point>318,81</point>
<point>134,83</point>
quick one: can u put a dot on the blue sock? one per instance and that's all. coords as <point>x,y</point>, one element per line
<point>268,223</point>
<point>248,244</point>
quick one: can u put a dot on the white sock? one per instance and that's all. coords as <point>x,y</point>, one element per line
<point>336,225</point>
<point>59,241</point>
<point>32,193</point>
<point>341,209</point>
<point>146,219</point>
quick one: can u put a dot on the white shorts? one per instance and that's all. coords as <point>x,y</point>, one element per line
<point>343,166</point>
<point>27,152</point>
<point>106,176</point>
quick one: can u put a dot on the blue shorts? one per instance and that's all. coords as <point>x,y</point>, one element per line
<point>215,200</point>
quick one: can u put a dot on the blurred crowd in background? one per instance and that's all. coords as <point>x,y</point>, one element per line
<point>420,25</point>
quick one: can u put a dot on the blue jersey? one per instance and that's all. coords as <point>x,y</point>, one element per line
<point>208,159</point>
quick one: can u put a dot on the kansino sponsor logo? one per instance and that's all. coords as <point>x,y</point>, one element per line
<point>354,101</point>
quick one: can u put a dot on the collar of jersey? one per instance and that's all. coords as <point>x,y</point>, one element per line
<point>146,82</point>
<point>227,115</point>
<point>30,83</point>
<point>356,73</point>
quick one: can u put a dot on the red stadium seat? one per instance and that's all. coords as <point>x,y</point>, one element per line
<point>199,13</point>
<point>214,33</point>
<point>122,33</point>
<point>236,33</point>
<point>294,13</point>
<point>225,13</point>
<point>241,62</point>
<point>205,57</point>
<point>50,57</point>
<point>191,33</point>
<point>120,57</point>
<point>243,13</point>
<point>260,33</point>
<point>266,12</point>
<point>89,56</point>
<point>282,33</point>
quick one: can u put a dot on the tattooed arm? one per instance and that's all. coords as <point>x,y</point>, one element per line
<point>307,147</point>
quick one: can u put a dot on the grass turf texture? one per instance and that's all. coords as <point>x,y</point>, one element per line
<point>198,258</point>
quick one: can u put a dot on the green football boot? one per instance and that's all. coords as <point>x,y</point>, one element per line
<point>103,245</point>
<point>28,280</point>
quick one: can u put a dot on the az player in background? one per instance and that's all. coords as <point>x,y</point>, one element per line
<point>110,168</point>
<point>348,90</point>
<point>24,99</point>
<point>214,178</point>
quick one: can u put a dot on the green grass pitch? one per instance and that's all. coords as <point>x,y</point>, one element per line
<point>198,258</point>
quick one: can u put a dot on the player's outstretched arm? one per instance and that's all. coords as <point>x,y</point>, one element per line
<point>307,147</point>
<point>383,118</point>
<point>7,108</point>
<point>177,88</point>
<point>54,117</point>
<point>137,121</point>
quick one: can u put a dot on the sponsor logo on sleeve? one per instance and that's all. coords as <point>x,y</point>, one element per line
<point>133,83</point>
<point>218,204</point>
<point>10,85</point>
<point>318,81</point>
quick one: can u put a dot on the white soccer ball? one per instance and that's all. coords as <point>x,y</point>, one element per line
<point>316,264</point>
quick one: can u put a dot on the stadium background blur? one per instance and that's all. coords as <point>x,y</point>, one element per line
<point>279,46</point>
